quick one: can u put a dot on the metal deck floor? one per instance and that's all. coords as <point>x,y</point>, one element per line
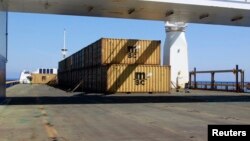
<point>43,113</point>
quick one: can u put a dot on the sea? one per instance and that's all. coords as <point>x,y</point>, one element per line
<point>11,79</point>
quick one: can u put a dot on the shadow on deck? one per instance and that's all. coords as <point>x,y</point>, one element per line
<point>125,99</point>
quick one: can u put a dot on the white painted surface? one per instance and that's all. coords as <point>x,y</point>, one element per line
<point>176,53</point>
<point>64,49</point>
<point>24,77</point>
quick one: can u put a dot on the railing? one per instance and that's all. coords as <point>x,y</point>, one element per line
<point>223,86</point>
<point>11,83</point>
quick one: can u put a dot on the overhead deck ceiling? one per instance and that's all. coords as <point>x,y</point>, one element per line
<point>190,11</point>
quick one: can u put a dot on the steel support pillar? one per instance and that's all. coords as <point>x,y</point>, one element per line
<point>237,78</point>
<point>176,52</point>
<point>190,81</point>
<point>212,80</point>
<point>195,83</point>
<point>3,46</point>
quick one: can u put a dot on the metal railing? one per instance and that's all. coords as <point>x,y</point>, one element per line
<point>239,75</point>
<point>11,83</point>
<point>223,86</point>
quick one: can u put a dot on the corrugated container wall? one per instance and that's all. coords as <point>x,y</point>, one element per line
<point>128,78</point>
<point>125,51</point>
<point>42,78</point>
<point>116,65</point>
<point>138,78</point>
<point>114,51</point>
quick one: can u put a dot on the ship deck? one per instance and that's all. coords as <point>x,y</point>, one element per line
<point>42,113</point>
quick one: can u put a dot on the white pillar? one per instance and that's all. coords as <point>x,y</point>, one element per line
<point>176,53</point>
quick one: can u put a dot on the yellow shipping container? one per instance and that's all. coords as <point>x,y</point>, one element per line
<point>114,51</point>
<point>121,78</point>
<point>129,78</point>
<point>138,78</point>
<point>42,78</point>
<point>128,51</point>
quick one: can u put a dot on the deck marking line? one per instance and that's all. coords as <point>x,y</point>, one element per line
<point>51,131</point>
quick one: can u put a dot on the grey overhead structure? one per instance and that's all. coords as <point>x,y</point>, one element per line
<point>224,12</point>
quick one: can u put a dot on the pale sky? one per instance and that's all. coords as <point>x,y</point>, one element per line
<point>35,41</point>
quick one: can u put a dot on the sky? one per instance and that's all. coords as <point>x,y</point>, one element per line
<point>35,41</point>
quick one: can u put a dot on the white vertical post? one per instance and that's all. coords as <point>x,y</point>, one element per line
<point>176,53</point>
<point>64,39</point>
<point>64,50</point>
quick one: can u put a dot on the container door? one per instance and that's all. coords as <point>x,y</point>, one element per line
<point>112,83</point>
<point>117,78</point>
<point>122,74</point>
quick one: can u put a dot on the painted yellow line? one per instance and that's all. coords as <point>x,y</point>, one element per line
<point>49,128</point>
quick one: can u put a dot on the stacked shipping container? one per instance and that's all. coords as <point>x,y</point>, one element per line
<point>42,78</point>
<point>116,65</point>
